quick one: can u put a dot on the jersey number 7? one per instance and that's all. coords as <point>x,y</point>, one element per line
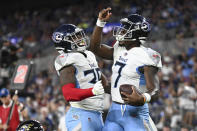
<point>121,65</point>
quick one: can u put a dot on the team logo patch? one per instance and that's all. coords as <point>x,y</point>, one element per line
<point>145,26</point>
<point>156,58</point>
<point>125,53</point>
<point>61,56</point>
<point>57,37</point>
<point>75,117</point>
<point>89,119</point>
<point>26,127</point>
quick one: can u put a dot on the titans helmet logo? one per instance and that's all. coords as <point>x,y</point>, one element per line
<point>57,37</point>
<point>145,26</point>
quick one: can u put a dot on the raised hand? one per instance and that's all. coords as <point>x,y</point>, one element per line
<point>105,14</point>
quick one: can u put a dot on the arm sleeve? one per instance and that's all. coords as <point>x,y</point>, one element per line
<point>71,93</point>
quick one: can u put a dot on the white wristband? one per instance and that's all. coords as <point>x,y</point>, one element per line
<point>100,23</point>
<point>147,97</point>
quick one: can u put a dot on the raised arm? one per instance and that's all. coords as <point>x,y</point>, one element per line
<point>99,49</point>
<point>69,90</point>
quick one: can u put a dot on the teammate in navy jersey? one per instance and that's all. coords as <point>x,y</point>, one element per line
<point>133,64</point>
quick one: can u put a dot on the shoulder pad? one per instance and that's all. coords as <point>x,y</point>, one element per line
<point>153,56</point>
<point>66,59</point>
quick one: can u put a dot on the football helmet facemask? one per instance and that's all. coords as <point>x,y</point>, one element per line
<point>68,37</point>
<point>132,28</point>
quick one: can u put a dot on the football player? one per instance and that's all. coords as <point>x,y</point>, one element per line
<point>133,64</point>
<point>80,79</point>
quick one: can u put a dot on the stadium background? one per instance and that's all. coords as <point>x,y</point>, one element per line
<point>25,33</point>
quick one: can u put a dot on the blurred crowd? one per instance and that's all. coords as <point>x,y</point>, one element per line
<point>27,35</point>
<point>178,99</point>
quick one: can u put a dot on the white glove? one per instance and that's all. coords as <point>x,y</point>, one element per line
<point>98,89</point>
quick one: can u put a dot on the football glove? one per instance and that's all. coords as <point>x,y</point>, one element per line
<point>98,89</point>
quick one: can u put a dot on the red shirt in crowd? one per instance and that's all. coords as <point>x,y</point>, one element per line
<point>4,112</point>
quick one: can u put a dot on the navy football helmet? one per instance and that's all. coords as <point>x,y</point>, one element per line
<point>132,28</point>
<point>68,37</point>
<point>30,125</point>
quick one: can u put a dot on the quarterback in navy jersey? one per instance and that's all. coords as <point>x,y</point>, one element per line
<point>80,79</point>
<point>133,64</point>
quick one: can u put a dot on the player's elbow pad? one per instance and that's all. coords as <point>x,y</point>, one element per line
<point>71,93</point>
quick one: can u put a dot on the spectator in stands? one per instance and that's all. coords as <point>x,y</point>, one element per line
<point>8,57</point>
<point>187,96</point>
<point>5,109</point>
